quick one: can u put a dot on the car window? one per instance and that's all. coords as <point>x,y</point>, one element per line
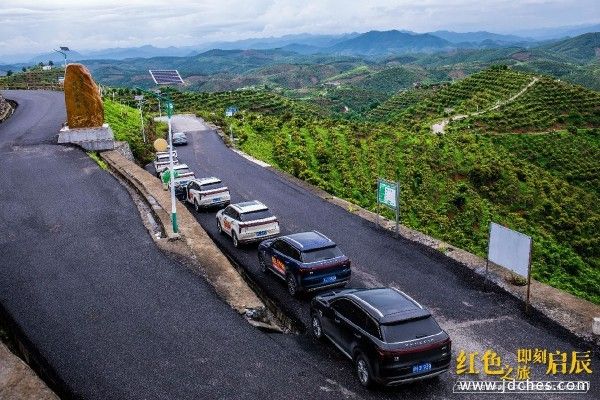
<point>228,211</point>
<point>345,307</point>
<point>285,249</point>
<point>254,215</point>
<point>210,186</point>
<point>321,254</point>
<point>408,330</point>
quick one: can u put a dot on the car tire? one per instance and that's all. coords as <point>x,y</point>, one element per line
<point>236,242</point>
<point>317,328</point>
<point>263,264</point>
<point>219,228</point>
<point>196,205</point>
<point>363,370</point>
<point>292,285</point>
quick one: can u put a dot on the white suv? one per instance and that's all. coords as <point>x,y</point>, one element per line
<point>207,192</point>
<point>246,222</point>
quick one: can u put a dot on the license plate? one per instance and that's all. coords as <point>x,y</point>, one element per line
<point>261,233</point>
<point>216,199</point>
<point>420,368</point>
<point>329,279</point>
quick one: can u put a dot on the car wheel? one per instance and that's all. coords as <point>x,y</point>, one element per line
<point>363,371</point>
<point>263,264</point>
<point>196,206</point>
<point>292,286</point>
<point>317,328</point>
<point>236,242</point>
<point>219,228</point>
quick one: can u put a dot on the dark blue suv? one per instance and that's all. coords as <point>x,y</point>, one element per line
<point>306,261</point>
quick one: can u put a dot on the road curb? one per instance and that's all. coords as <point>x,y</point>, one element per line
<point>199,247</point>
<point>569,313</point>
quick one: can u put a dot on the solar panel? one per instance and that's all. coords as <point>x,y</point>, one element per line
<point>165,76</point>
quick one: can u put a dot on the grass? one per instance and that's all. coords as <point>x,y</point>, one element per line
<point>94,156</point>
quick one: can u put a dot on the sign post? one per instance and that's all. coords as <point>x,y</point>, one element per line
<point>388,194</point>
<point>512,250</point>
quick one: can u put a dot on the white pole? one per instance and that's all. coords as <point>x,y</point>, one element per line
<point>172,175</point>
<point>159,113</point>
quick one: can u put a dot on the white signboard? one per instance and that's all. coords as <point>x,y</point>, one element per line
<point>387,193</point>
<point>510,249</point>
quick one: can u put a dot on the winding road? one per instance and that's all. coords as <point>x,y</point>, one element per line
<point>111,317</point>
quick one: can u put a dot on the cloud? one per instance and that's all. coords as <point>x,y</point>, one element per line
<point>36,26</point>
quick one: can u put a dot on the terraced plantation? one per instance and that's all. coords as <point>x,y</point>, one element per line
<point>453,184</point>
<point>550,104</point>
<point>571,156</point>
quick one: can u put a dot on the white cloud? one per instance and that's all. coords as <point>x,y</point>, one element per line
<point>36,26</point>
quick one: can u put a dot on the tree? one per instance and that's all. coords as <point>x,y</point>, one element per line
<point>50,63</point>
<point>9,72</point>
<point>24,69</point>
<point>41,64</point>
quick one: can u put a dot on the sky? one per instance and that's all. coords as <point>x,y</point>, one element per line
<point>28,27</point>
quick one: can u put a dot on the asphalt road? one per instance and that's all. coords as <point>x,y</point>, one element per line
<point>110,315</point>
<point>475,320</point>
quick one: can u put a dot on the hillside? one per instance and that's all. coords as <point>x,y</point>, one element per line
<point>453,185</point>
<point>582,48</point>
<point>548,105</point>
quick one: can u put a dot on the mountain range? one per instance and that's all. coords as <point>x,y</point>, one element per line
<point>373,43</point>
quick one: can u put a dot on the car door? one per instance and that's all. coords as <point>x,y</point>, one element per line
<point>342,331</point>
<point>278,256</point>
<point>228,219</point>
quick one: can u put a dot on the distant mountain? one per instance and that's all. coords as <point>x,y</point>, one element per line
<point>583,48</point>
<point>557,32</point>
<point>481,37</point>
<point>303,39</point>
<point>378,43</point>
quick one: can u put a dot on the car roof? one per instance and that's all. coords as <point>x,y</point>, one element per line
<point>178,133</point>
<point>208,180</point>
<point>249,206</point>
<point>180,166</point>
<point>306,241</point>
<point>388,305</point>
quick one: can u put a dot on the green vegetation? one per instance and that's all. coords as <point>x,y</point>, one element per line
<point>571,157</point>
<point>548,104</point>
<point>32,78</point>
<point>126,125</point>
<point>94,156</point>
<point>453,185</point>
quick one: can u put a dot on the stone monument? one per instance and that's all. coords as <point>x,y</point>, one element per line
<point>85,112</point>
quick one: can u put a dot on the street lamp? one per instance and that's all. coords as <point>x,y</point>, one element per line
<point>168,77</point>
<point>63,50</point>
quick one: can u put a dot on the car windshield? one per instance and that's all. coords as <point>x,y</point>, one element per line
<point>211,186</point>
<point>254,215</point>
<point>411,329</point>
<point>321,254</point>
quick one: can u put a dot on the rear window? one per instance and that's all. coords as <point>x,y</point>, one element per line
<point>211,186</point>
<point>321,254</point>
<point>408,330</point>
<point>254,215</point>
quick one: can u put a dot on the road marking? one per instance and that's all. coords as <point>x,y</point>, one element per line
<point>252,159</point>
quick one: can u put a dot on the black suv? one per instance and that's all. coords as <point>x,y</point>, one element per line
<point>390,337</point>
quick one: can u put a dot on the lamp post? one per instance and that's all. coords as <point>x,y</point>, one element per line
<point>168,77</point>
<point>63,50</point>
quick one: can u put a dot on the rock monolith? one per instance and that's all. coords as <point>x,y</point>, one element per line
<point>82,98</point>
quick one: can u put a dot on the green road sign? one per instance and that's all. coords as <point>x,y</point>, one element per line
<point>387,193</point>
